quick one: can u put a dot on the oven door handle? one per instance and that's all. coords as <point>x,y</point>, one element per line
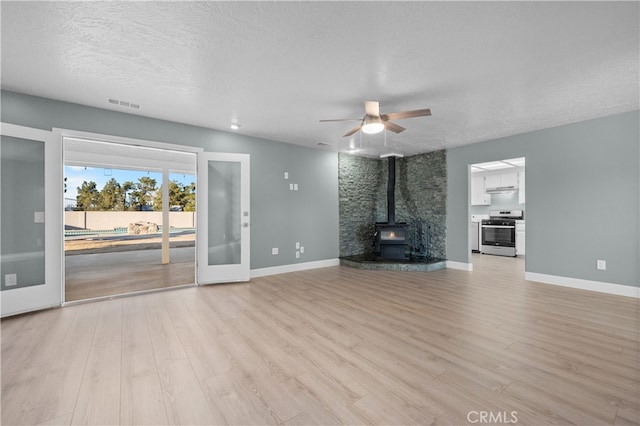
<point>499,226</point>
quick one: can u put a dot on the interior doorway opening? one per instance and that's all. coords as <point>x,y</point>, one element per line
<point>497,208</point>
<point>130,220</point>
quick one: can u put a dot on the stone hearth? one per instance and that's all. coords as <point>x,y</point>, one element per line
<point>369,262</point>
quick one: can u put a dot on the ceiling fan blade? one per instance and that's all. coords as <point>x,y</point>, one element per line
<point>352,131</point>
<point>342,119</point>
<point>372,108</point>
<point>406,114</point>
<point>393,127</point>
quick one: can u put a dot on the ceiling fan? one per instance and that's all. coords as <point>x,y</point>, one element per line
<point>374,122</point>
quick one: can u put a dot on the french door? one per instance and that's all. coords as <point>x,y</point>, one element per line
<point>223,218</point>
<point>31,203</point>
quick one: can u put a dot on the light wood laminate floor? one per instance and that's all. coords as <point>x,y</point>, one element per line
<point>332,346</point>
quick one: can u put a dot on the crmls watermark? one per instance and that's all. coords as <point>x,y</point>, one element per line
<point>492,417</point>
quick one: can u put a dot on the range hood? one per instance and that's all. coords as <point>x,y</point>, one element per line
<point>501,189</point>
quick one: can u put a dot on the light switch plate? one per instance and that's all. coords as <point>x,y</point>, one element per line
<point>38,217</point>
<point>286,175</point>
<point>601,265</point>
<point>301,249</point>
<point>295,186</point>
<point>10,280</point>
<point>274,251</point>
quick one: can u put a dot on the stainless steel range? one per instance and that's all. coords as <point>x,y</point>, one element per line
<point>499,232</point>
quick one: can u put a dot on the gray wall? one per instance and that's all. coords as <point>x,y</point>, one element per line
<point>583,197</point>
<point>280,217</point>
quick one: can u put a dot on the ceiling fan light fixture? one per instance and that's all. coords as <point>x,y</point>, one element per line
<point>372,125</point>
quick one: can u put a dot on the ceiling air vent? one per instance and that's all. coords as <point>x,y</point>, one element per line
<point>323,144</point>
<point>123,103</point>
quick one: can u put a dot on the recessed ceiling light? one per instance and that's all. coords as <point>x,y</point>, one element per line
<point>234,126</point>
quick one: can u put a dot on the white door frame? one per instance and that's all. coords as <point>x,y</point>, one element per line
<point>52,293</point>
<point>236,272</point>
<point>49,294</point>
<point>97,137</point>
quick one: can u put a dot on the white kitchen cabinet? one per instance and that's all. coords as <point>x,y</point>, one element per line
<point>478,195</point>
<point>492,181</point>
<point>509,179</point>
<point>521,194</point>
<point>501,179</point>
<point>520,238</point>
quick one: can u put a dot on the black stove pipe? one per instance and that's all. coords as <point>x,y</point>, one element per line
<point>391,192</point>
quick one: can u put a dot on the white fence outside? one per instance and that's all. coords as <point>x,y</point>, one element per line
<point>111,220</point>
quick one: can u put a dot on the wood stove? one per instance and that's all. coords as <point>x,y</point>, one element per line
<point>391,241</point>
<point>391,238</point>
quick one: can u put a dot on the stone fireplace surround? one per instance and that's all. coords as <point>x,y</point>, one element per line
<point>421,186</point>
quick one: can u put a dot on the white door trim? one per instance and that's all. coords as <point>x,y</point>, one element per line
<point>26,299</point>
<point>61,134</point>
<point>213,274</point>
<point>98,137</point>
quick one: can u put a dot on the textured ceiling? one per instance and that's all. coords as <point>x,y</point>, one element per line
<point>486,70</point>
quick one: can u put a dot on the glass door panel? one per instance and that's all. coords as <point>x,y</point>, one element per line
<point>31,191</point>
<point>224,238</point>
<point>22,189</point>
<point>223,218</point>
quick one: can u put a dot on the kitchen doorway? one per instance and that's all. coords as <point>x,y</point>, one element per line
<point>130,220</point>
<point>497,208</point>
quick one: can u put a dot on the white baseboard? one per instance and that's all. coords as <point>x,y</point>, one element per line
<point>295,267</point>
<point>459,265</point>
<point>617,289</point>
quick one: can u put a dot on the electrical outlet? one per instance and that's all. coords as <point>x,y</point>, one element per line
<point>295,186</point>
<point>601,264</point>
<point>297,255</point>
<point>302,249</point>
<point>297,246</point>
<point>274,251</point>
<point>10,280</point>
<point>286,175</point>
